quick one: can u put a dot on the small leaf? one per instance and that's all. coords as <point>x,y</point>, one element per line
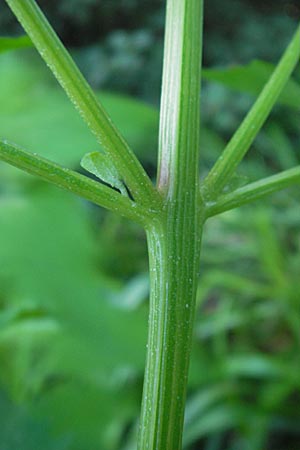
<point>10,43</point>
<point>100,165</point>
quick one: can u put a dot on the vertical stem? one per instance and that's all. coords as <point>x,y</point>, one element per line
<point>174,238</point>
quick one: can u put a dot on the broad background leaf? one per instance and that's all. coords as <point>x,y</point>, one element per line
<point>9,43</point>
<point>251,78</point>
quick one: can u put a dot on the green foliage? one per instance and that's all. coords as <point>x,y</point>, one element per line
<point>251,79</point>
<point>7,44</point>
<point>51,335</point>
<point>238,35</point>
<point>30,96</point>
<point>73,353</point>
<point>246,331</point>
<point>19,429</point>
<point>72,338</point>
<point>58,318</point>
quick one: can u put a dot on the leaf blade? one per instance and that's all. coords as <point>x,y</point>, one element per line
<point>101,166</point>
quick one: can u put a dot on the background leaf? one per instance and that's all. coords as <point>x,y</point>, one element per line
<point>251,78</point>
<point>29,95</point>
<point>14,43</point>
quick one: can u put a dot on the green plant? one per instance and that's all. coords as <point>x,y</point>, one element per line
<point>174,213</point>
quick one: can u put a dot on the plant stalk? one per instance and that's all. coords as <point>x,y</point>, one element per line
<point>174,237</point>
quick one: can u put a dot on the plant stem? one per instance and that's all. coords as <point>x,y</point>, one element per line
<point>174,238</point>
<point>82,96</point>
<point>241,141</point>
<point>73,182</point>
<point>254,191</point>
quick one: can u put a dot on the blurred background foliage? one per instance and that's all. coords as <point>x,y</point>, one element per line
<point>73,278</point>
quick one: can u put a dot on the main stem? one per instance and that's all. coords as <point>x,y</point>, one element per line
<point>174,237</point>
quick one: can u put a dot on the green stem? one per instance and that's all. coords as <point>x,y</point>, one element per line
<point>254,191</point>
<point>174,238</point>
<point>73,182</point>
<point>241,141</point>
<point>82,96</point>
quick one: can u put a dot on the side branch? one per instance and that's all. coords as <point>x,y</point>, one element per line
<point>254,191</point>
<point>72,181</point>
<point>80,93</point>
<point>241,141</point>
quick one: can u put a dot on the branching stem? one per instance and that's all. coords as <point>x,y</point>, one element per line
<point>73,182</point>
<point>254,191</point>
<point>241,141</point>
<point>80,93</point>
<point>174,213</point>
